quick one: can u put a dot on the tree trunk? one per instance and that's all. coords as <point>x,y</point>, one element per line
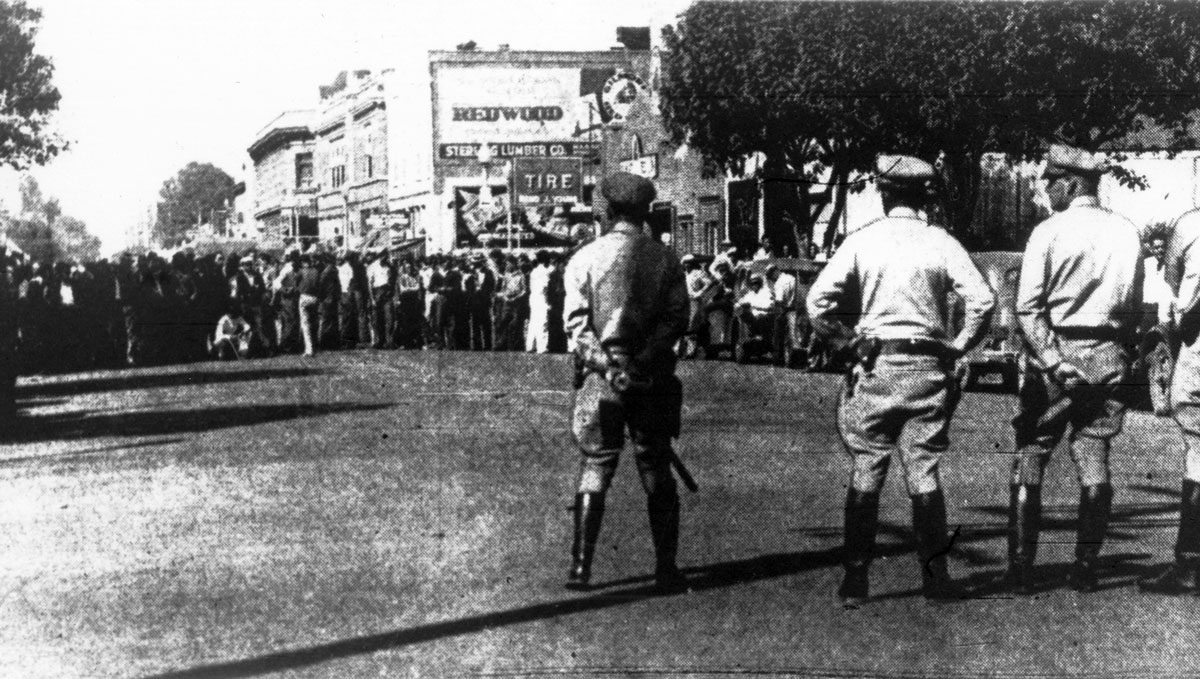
<point>839,188</point>
<point>962,175</point>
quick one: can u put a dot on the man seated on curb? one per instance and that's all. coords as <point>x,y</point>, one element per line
<point>233,337</point>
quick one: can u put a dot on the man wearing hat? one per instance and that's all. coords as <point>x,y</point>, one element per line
<point>626,306</point>
<point>1181,259</point>
<point>1078,303</point>
<point>892,277</point>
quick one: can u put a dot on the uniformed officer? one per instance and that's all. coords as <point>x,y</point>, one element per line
<point>893,276</point>
<point>626,306</point>
<point>1078,302</point>
<point>1181,259</point>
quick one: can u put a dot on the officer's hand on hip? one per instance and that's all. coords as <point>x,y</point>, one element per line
<point>1068,375</point>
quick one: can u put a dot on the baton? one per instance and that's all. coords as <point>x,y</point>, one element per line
<point>684,474</point>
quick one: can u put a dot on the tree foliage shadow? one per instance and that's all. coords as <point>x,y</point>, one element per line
<point>126,382</point>
<point>82,425</point>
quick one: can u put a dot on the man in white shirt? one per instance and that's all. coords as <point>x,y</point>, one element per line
<point>537,339</point>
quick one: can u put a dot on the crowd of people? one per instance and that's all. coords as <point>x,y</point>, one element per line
<point>150,310</point>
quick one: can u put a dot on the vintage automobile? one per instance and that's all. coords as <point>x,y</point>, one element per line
<point>1001,350</point>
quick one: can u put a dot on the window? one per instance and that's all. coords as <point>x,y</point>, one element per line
<point>368,167</point>
<point>337,176</point>
<point>304,170</point>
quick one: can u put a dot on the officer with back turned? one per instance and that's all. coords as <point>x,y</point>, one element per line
<point>626,306</point>
<point>1078,303</point>
<point>1181,260</point>
<point>892,277</point>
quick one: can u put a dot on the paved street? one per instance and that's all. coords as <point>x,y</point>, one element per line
<point>406,514</point>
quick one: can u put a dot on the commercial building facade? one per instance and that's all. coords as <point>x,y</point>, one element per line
<point>285,188</point>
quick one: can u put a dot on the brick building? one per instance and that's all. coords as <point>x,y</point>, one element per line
<point>285,188</point>
<point>351,157</point>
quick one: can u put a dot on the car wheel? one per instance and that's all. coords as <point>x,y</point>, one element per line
<point>1159,366</point>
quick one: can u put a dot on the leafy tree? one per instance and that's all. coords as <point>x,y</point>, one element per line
<point>819,88</point>
<point>194,196</point>
<point>44,232</point>
<point>27,95</point>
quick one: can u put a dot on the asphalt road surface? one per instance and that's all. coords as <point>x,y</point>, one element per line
<point>369,514</point>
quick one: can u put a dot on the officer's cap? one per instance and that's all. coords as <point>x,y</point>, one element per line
<point>756,278</point>
<point>688,259</point>
<point>628,190</point>
<point>1062,160</point>
<point>903,172</point>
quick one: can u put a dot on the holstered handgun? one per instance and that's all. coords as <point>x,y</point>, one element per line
<point>866,350</point>
<point>623,375</point>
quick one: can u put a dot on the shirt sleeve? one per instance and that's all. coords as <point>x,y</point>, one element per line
<point>978,299</point>
<point>1188,298</point>
<point>1032,312</point>
<point>829,297</point>
<point>577,306</point>
<point>674,320</point>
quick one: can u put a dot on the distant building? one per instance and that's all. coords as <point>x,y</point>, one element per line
<point>351,157</point>
<point>285,195</point>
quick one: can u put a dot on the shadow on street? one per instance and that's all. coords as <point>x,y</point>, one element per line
<point>156,380</point>
<point>82,425</point>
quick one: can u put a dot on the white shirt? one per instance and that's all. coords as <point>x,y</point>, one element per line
<point>378,274</point>
<point>784,290</point>
<point>539,285</point>
<point>902,268</point>
<point>346,276</point>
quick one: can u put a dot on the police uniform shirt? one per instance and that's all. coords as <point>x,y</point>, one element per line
<point>1082,270</point>
<point>1181,259</point>
<point>626,289</point>
<point>901,268</point>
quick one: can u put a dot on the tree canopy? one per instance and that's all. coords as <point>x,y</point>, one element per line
<point>819,88</point>
<point>44,232</point>
<point>27,95</point>
<point>196,195</point>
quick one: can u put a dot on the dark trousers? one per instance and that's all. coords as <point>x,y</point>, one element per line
<point>480,321</point>
<point>441,323</point>
<point>348,319</point>
<point>408,320</point>
<point>510,334</point>
<point>381,318</point>
<point>327,326</point>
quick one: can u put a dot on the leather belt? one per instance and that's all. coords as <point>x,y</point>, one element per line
<point>1095,334</point>
<point>913,347</point>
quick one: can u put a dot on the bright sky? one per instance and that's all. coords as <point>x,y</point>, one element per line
<point>150,85</point>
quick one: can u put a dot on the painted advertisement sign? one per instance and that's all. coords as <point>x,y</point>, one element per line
<point>487,223</point>
<point>530,106</point>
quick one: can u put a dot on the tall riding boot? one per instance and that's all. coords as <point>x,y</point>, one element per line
<point>933,545</point>
<point>1183,576</point>
<point>662,505</point>
<point>1024,524</point>
<point>589,514</point>
<point>1095,506</point>
<point>861,524</point>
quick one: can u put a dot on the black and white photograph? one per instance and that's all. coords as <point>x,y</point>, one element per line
<point>599,338</point>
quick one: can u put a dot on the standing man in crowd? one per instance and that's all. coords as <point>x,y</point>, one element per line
<point>537,338</point>
<point>626,307</point>
<point>512,294</point>
<point>893,276</point>
<point>1078,303</point>
<point>479,304</point>
<point>381,281</point>
<point>1181,260</point>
